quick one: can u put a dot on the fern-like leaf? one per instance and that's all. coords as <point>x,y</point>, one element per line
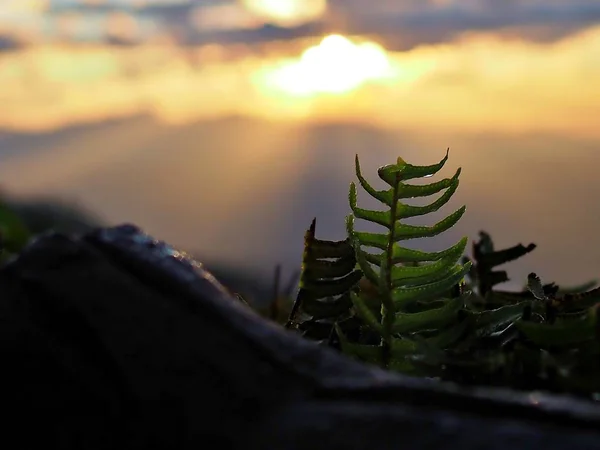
<point>406,279</point>
<point>486,258</point>
<point>327,277</point>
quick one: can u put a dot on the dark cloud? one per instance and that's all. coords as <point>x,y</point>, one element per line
<point>9,43</point>
<point>265,33</point>
<point>402,24</point>
<point>410,26</point>
<point>403,27</point>
<point>492,17</point>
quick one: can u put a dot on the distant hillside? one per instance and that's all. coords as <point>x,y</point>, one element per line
<point>42,215</point>
<point>9,44</point>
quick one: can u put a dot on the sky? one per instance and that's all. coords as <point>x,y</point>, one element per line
<point>529,65</point>
<point>212,19</point>
<point>138,109</point>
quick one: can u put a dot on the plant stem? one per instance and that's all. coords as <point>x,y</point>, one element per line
<point>387,305</point>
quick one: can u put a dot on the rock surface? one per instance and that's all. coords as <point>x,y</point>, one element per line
<point>114,340</point>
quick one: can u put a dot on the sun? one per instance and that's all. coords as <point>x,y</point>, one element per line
<point>335,66</point>
<point>286,12</point>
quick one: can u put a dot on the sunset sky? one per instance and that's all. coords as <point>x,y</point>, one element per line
<point>527,65</point>
<point>138,109</point>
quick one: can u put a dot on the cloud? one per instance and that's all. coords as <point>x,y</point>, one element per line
<point>417,22</point>
<point>477,83</point>
<point>402,24</point>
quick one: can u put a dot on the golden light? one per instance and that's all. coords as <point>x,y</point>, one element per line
<point>27,6</point>
<point>286,12</point>
<point>335,66</point>
<point>479,82</point>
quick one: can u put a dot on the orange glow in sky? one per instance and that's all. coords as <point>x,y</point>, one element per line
<point>286,12</point>
<point>336,65</point>
<point>476,83</point>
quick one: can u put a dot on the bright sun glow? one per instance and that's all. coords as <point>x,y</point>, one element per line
<point>334,66</point>
<point>482,82</point>
<point>287,12</point>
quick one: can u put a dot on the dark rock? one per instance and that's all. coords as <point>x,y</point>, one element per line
<point>114,340</point>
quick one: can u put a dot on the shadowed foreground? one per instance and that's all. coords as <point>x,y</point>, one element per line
<point>114,340</point>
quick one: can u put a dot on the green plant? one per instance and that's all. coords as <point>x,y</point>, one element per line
<point>424,313</point>
<point>328,274</point>
<point>421,313</point>
<point>23,218</point>
<point>14,234</point>
<point>414,301</point>
<point>538,339</point>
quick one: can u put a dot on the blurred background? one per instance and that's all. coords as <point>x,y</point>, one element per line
<point>225,126</point>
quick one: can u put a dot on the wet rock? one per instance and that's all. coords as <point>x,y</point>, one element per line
<point>116,340</point>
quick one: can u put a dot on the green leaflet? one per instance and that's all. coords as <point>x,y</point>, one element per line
<point>408,255</point>
<point>403,211</point>
<point>385,197</point>
<point>403,231</point>
<point>364,312</point>
<point>433,271</point>
<point>563,332</point>
<point>388,197</point>
<point>402,171</point>
<point>412,191</point>
<point>400,282</point>
<point>404,296</point>
<point>431,319</point>
<point>449,336</point>
<point>381,217</point>
<point>490,322</point>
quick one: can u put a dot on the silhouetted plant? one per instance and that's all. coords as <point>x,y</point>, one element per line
<point>434,314</point>
<point>424,313</point>
<point>482,276</point>
<point>327,276</point>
